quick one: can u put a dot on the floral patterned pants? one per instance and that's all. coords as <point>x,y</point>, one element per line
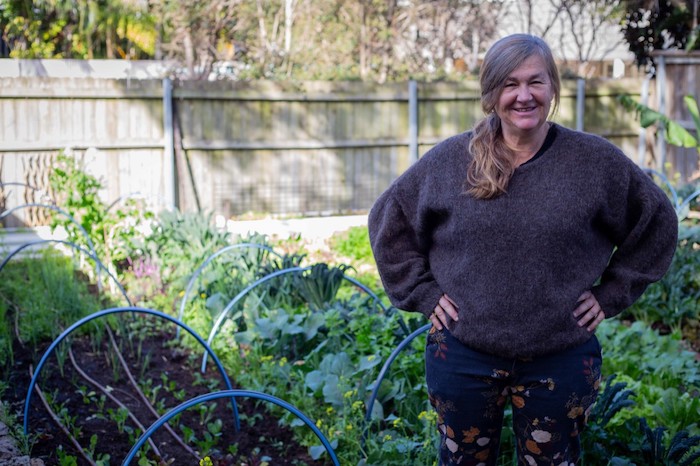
<point>551,398</point>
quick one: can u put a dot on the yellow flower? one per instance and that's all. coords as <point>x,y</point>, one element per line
<point>428,416</point>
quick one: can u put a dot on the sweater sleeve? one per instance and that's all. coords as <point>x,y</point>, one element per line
<point>401,260</point>
<point>644,228</point>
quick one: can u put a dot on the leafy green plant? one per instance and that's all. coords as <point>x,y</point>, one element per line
<point>320,284</point>
<point>353,244</point>
<point>675,299</point>
<point>14,426</point>
<point>179,242</point>
<point>674,133</point>
<point>77,192</point>
<point>599,442</point>
<point>6,355</point>
<point>680,450</point>
<point>66,459</point>
<point>114,233</point>
<point>640,352</point>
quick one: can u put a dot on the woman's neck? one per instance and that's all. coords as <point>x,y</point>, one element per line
<point>525,145</point>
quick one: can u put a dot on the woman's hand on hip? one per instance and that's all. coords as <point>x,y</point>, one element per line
<point>588,311</point>
<point>444,313</point>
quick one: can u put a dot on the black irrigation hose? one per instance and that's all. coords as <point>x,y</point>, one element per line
<point>143,397</point>
<point>112,398</point>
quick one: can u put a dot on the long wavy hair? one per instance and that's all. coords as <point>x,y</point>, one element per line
<point>492,163</point>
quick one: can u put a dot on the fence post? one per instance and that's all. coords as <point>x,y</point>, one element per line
<point>661,95</point>
<point>580,102</point>
<point>412,121</point>
<point>642,145</point>
<point>168,145</point>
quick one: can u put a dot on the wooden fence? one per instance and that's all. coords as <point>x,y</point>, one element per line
<point>233,148</point>
<point>678,74</point>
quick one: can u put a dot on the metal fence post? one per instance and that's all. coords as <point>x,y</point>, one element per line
<point>169,171</point>
<point>661,95</point>
<point>413,121</point>
<point>580,102</point>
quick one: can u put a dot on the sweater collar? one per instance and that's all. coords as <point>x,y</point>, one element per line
<point>548,141</point>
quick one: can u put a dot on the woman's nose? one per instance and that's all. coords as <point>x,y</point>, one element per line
<point>524,93</point>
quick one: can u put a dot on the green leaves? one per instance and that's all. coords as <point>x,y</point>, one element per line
<point>680,451</point>
<point>675,133</point>
<point>320,284</point>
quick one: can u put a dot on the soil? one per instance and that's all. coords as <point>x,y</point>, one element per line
<point>261,439</point>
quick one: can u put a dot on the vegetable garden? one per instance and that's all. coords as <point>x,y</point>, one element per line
<point>149,336</point>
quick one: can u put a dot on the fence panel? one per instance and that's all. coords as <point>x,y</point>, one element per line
<point>680,78</point>
<point>262,147</point>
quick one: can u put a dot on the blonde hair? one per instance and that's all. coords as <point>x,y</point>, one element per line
<point>492,164</point>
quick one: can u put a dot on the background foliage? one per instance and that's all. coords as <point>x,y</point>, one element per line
<point>330,39</point>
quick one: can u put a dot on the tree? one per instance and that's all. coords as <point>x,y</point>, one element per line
<point>77,29</point>
<point>587,29</point>
<point>536,17</point>
<point>650,25</point>
<point>437,37</point>
<point>192,33</point>
<point>580,31</point>
<point>374,40</point>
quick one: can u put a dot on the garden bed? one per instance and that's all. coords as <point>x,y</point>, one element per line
<point>169,376</point>
<point>312,339</point>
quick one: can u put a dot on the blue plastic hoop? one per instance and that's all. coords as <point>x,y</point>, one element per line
<point>117,310</point>
<point>74,246</point>
<point>385,368</point>
<point>229,394</point>
<point>270,276</point>
<point>197,272</point>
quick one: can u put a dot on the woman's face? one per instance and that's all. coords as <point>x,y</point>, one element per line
<point>526,98</point>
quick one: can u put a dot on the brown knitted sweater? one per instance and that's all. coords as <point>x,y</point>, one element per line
<point>580,216</point>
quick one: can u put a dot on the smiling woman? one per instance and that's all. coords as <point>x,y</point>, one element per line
<point>518,89</point>
<point>514,265</point>
<point>523,108</point>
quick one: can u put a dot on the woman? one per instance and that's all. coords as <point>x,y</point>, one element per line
<point>516,240</point>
